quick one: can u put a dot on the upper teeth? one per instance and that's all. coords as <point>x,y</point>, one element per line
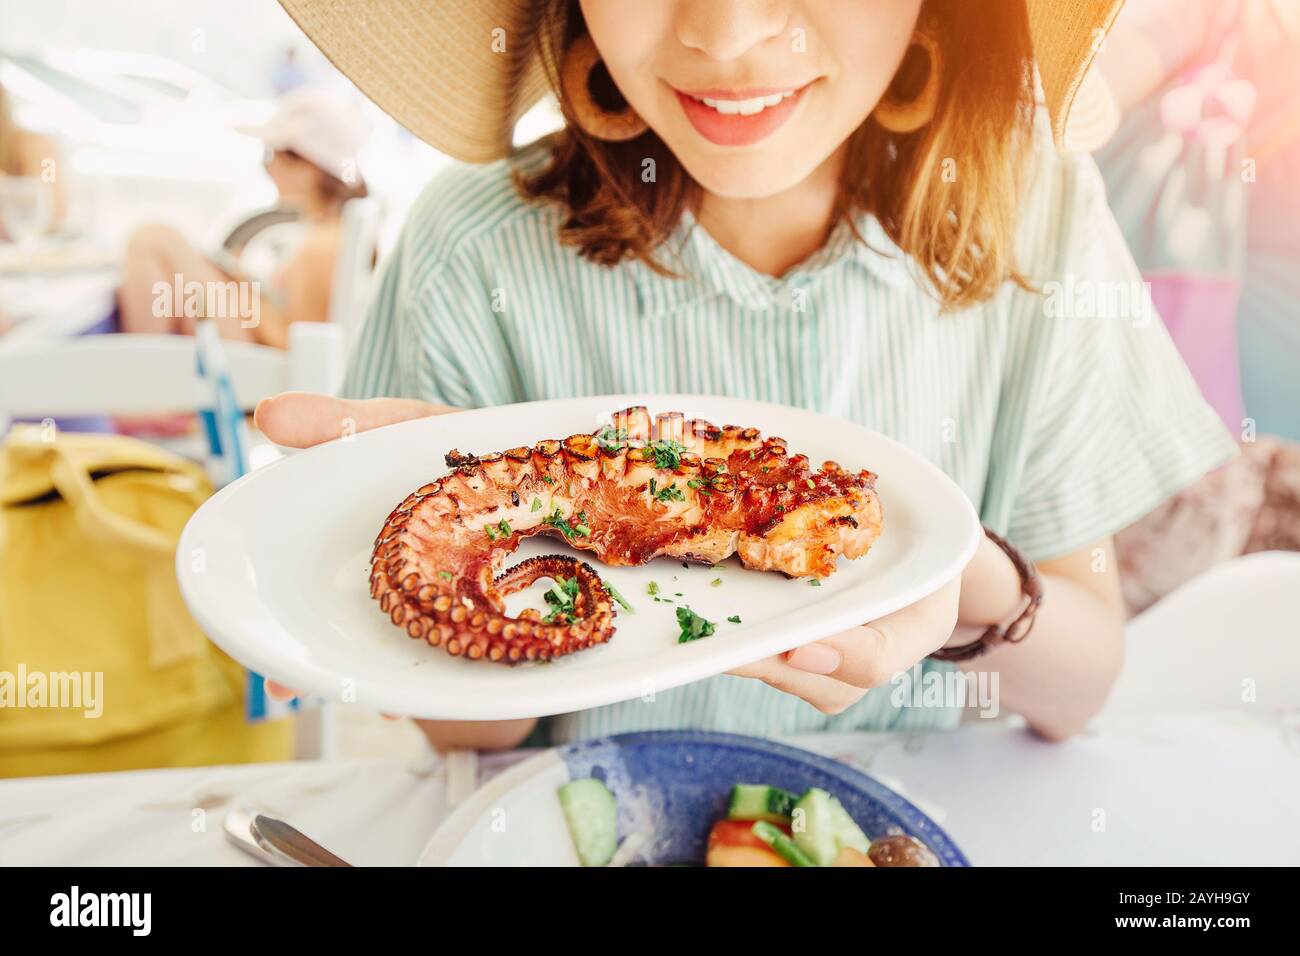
<point>745,107</point>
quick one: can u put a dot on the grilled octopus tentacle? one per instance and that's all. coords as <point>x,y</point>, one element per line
<point>638,489</point>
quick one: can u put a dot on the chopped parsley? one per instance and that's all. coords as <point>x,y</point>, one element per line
<point>445,575</point>
<point>716,582</point>
<point>557,520</point>
<point>699,486</point>
<point>499,530</point>
<point>668,453</point>
<point>816,582</point>
<point>671,493</point>
<point>613,438</point>
<point>537,504</point>
<point>613,592</point>
<point>693,627</point>
<point>548,479</point>
<point>704,485</point>
<point>560,598</point>
<point>652,589</point>
<point>734,619</point>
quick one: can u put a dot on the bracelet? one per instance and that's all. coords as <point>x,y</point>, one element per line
<point>1031,586</point>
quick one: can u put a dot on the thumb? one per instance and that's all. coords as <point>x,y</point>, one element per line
<point>303,419</point>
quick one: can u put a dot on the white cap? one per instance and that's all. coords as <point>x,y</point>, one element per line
<point>327,130</point>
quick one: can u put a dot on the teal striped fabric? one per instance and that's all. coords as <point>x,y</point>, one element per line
<point>1064,414</point>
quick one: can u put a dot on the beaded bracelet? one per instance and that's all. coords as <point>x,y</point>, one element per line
<point>1031,586</point>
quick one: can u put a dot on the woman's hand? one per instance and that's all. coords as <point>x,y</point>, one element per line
<point>303,419</point>
<point>834,673</point>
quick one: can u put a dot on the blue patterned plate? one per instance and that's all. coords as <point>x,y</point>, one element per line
<point>671,786</point>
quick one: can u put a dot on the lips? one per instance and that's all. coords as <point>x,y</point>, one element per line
<point>739,117</point>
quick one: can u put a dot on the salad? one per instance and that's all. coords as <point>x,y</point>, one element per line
<point>764,826</point>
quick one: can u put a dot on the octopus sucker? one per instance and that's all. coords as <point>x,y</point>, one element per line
<point>638,488</point>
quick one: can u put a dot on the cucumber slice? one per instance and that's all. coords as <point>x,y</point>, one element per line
<point>751,801</point>
<point>847,833</point>
<point>592,816</point>
<point>781,844</point>
<point>813,825</point>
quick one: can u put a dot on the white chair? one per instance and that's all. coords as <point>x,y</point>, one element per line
<point>140,374</point>
<point>358,240</point>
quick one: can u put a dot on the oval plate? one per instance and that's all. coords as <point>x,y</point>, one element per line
<point>275,567</point>
<point>670,786</point>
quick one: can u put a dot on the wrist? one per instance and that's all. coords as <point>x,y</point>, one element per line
<point>1017,625</point>
<point>991,590</point>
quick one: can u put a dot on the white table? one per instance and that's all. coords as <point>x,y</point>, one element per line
<point>53,306</point>
<point>1183,790</point>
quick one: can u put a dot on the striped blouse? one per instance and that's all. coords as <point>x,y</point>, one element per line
<point>1065,414</point>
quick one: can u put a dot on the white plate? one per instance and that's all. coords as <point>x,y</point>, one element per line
<point>275,567</point>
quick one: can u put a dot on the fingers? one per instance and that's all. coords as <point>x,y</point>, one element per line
<point>303,419</point>
<point>827,694</point>
<point>815,658</point>
<point>279,691</point>
<point>872,654</point>
<point>834,673</point>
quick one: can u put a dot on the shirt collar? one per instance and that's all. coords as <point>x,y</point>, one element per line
<point>705,270</point>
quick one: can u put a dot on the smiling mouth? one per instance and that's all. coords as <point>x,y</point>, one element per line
<point>739,117</point>
<point>746,107</point>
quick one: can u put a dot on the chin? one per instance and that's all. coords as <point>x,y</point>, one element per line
<point>753,176</point>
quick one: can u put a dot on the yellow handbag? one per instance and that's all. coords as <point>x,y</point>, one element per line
<point>101,666</point>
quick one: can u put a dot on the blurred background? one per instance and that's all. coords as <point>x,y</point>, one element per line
<point>145,139</point>
<point>143,100</point>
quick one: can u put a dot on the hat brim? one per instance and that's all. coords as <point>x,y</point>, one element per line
<point>460,73</point>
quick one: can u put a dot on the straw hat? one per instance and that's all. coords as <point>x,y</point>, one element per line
<point>460,73</point>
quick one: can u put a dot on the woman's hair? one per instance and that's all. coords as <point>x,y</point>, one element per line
<point>946,194</point>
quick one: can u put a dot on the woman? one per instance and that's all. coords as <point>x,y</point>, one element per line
<point>1212,226</point>
<point>838,204</point>
<point>312,143</point>
<point>27,154</point>
<point>1224,76</point>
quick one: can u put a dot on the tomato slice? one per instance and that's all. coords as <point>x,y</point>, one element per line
<point>732,843</point>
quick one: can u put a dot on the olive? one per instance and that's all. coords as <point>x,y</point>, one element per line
<point>901,850</point>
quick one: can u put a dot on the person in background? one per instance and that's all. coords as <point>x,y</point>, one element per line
<point>1226,70</point>
<point>26,154</point>
<point>287,75</point>
<point>29,154</point>
<point>312,143</point>
<point>1202,175</point>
